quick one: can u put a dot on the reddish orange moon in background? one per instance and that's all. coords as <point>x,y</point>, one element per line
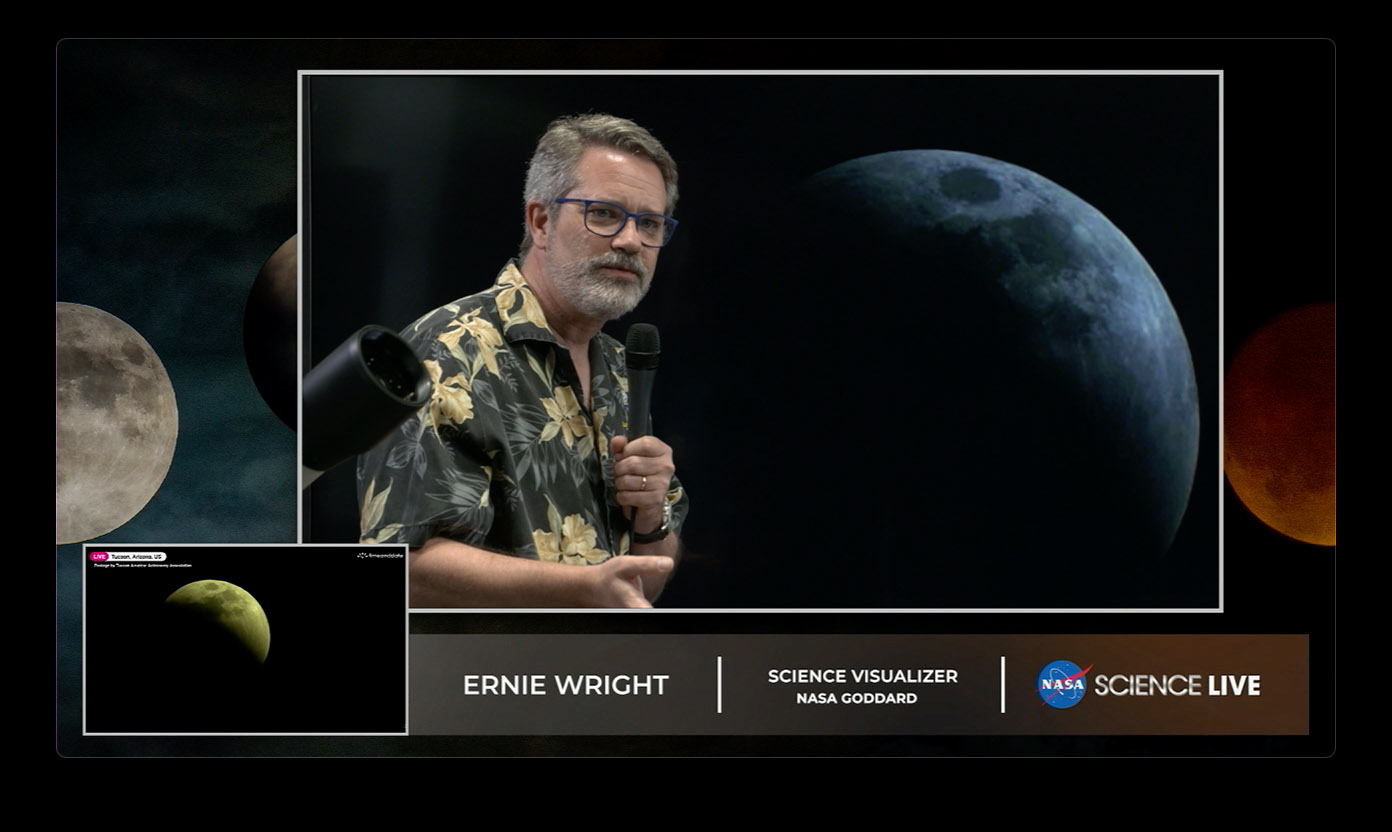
<point>1279,424</point>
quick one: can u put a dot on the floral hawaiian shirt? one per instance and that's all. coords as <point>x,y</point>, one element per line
<point>504,457</point>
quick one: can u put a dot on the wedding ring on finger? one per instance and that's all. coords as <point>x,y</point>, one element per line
<point>644,485</point>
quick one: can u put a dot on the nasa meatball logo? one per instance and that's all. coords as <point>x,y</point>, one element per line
<point>1061,683</point>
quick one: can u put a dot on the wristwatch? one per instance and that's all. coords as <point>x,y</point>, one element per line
<point>661,532</point>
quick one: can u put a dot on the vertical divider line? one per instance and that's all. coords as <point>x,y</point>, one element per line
<point>720,684</point>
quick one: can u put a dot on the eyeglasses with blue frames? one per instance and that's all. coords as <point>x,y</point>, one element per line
<point>607,219</point>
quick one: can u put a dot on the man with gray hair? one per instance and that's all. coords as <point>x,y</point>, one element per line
<point>516,486</point>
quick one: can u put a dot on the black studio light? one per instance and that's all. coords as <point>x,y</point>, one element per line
<point>367,386</point>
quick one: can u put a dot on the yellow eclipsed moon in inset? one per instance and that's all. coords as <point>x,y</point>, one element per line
<point>1279,424</point>
<point>230,609</point>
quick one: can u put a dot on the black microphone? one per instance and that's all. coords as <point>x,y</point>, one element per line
<point>642,348</point>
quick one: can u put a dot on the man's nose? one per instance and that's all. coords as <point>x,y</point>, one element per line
<point>627,239</point>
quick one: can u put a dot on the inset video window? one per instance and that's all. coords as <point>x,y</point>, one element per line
<point>237,639</point>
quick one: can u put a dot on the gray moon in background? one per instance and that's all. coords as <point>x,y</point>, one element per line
<point>117,422</point>
<point>1038,444</point>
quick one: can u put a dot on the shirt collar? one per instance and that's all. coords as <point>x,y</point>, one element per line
<point>521,314</point>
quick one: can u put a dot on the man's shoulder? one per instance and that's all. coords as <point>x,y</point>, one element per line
<point>480,305</point>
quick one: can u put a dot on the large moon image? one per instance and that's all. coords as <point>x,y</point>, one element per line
<point>1279,437</point>
<point>227,619</point>
<point>117,422</point>
<point>1038,443</point>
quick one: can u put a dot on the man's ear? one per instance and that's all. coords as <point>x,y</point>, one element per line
<point>538,222</point>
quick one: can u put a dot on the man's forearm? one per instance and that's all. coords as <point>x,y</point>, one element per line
<point>447,573</point>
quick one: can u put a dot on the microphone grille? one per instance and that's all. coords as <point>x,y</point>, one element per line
<point>642,346</point>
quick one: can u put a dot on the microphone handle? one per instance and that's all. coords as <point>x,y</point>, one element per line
<point>640,386</point>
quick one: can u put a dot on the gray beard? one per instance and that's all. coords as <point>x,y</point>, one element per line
<point>598,296</point>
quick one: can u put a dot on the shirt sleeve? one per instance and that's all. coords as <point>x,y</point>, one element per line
<point>416,485</point>
<point>681,504</point>
<point>431,477</point>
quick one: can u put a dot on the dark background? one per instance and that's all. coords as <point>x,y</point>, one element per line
<point>176,178</point>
